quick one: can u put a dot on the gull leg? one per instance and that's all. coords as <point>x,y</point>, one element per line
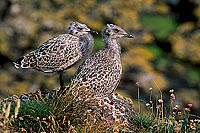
<point>61,78</point>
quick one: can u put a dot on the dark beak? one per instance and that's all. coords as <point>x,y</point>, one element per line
<point>93,32</point>
<point>128,35</point>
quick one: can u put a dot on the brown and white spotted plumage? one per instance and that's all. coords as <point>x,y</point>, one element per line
<point>60,52</point>
<point>103,70</point>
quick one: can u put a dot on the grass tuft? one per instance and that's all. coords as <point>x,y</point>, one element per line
<point>77,109</point>
<point>174,120</point>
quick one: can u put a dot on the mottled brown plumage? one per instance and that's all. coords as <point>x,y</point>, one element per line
<point>60,52</point>
<point>103,70</point>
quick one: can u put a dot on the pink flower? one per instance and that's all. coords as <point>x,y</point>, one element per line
<point>186,109</point>
<point>160,100</point>
<point>189,105</point>
<point>171,91</point>
<point>172,97</point>
<point>175,108</point>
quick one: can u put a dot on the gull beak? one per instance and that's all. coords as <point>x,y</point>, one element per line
<point>93,32</point>
<point>128,35</point>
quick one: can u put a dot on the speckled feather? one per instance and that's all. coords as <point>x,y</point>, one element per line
<point>103,70</point>
<point>60,52</point>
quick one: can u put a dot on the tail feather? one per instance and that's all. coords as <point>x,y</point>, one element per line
<point>18,63</point>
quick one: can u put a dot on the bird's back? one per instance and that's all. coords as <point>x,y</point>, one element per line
<point>102,71</point>
<point>56,54</point>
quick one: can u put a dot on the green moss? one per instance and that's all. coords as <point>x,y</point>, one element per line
<point>194,75</point>
<point>161,25</point>
<point>155,50</point>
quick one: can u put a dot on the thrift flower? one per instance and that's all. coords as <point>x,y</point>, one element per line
<point>171,91</point>
<point>147,104</point>
<point>160,100</point>
<point>177,129</point>
<point>176,107</point>
<point>179,113</point>
<point>137,83</point>
<point>172,97</point>
<point>186,109</point>
<point>189,105</point>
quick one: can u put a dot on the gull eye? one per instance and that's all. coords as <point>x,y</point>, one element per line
<point>79,28</point>
<point>116,30</point>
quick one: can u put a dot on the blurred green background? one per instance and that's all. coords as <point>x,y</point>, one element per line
<point>164,54</point>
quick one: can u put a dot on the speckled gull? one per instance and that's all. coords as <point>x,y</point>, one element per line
<point>61,52</point>
<point>102,71</point>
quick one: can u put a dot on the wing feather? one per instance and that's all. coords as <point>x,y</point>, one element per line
<point>56,54</point>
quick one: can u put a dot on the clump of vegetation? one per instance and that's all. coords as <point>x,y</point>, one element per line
<point>77,109</point>
<point>161,25</point>
<point>159,119</point>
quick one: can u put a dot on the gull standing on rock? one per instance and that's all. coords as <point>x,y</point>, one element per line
<point>60,52</point>
<point>103,70</point>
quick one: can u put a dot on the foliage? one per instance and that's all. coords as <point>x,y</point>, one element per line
<point>186,42</point>
<point>161,25</point>
<point>75,110</point>
<point>143,121</point>
<point>164,50</point>
<point>172,120</point>
<point>78,110</point>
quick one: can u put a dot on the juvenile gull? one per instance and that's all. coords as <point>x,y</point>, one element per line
<point>102,71</point>
<point>61,52</point>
